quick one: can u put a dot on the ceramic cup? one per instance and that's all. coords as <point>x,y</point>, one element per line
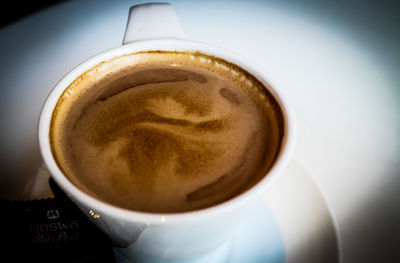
<point>155,237</point>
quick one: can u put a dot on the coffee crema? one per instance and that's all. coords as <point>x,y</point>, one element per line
<point>166,131</point>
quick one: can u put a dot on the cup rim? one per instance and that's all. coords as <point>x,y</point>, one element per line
<point>101,207</point>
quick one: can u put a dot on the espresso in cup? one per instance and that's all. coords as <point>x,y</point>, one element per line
<point>166,132</point>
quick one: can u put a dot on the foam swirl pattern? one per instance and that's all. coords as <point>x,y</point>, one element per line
<point>166,138</point>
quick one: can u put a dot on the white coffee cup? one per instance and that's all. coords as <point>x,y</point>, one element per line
<point>156,237</point>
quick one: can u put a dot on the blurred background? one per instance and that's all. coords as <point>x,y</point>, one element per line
<point>17,11</point>
<point>337,61</point>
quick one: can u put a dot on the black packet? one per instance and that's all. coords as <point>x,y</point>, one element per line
<point>50,230</point>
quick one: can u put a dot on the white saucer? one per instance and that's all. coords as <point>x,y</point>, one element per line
<point>308,228</point>
<point>293,224</point>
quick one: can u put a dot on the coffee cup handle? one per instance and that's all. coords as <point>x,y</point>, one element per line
<point>152,21</point>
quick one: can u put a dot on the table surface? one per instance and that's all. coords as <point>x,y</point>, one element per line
<point>338,63</point>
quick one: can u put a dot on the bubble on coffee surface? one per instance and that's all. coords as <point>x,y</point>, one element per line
<point>166,138</point>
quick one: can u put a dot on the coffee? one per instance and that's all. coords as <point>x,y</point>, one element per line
<point>166,131</point>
